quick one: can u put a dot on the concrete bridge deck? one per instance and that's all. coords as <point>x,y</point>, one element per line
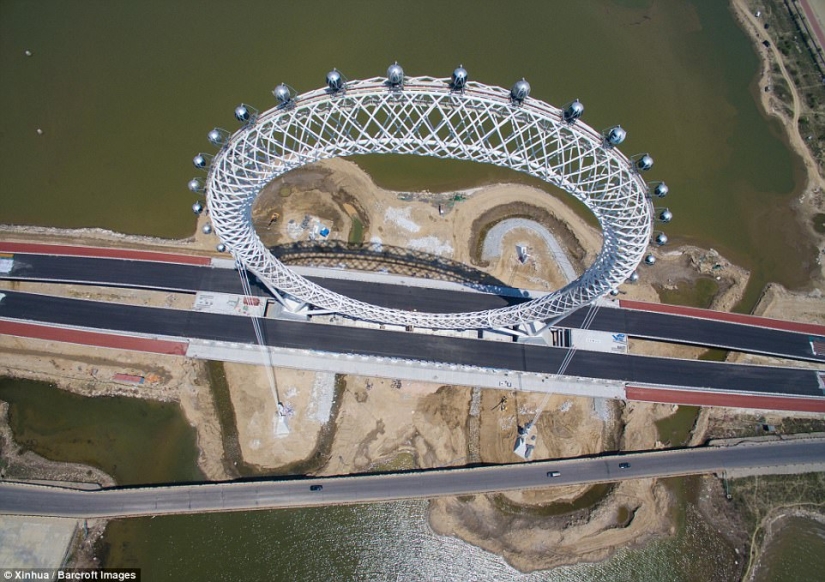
<point>766,458</point>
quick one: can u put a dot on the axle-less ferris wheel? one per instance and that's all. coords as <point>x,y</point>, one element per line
<point>451,118</point>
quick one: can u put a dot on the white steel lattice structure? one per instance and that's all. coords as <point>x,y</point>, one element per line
<point>427,117</point>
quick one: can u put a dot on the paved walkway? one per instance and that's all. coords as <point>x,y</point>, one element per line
<point>93,338</point>
<point>34,542</point>
<point>494,241</point>
<point>730,400</point>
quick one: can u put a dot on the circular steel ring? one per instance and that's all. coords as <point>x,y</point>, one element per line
<point>427,118</point>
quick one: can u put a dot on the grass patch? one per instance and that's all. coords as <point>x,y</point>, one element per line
<point>624,516</point>
<point>819,223</point>
<point>714,355</point>
<point>755,497</point>
<point>356,233</point>
<point>403,461</point>
<point>691,294</point>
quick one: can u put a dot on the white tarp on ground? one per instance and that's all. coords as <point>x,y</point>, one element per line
<point>227,304</point>
<point>6,264</point>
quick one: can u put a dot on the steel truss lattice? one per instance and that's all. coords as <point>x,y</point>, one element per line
<point>427,118</point>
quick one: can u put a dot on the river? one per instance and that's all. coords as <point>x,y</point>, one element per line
<point>124,93</point>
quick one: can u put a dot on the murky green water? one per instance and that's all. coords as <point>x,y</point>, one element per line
<point>125,92</point>
<point>797,553</point>
<point>135,441</point>
<point>674,430</point>
<point>390,541</point>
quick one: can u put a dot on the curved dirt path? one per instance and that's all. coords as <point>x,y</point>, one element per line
<point>815,180</point>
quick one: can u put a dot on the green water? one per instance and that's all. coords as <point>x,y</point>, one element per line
<point>126,91</point>
<point>796,553</point>
<point>134,441</point>
<point>674,430</point>
<point>390,541</point>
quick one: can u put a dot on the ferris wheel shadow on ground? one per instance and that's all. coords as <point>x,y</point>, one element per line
<point>376,257</point>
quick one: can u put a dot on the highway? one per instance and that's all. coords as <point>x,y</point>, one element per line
<point>446,350</point>
<point>191,278</point>
<point>22,499</point>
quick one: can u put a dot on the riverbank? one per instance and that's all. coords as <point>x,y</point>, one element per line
<point>779,97</point>
<point>771,529</point>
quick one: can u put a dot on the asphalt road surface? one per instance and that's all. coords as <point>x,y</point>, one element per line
<point>389,344</point>
<point>21,499</point>
<point>638,324</point>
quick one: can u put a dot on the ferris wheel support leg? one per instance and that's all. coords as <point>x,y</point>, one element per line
<point>514,331</point>
<point>275,293</point>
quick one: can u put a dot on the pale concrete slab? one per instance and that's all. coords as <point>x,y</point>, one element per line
<point>394,368</point>
<point>35,542</point>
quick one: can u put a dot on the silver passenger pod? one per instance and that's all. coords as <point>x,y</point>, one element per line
<point>336,81</point>
<point>246,114</point>
<point>395,76</point>
<point>614,136</point>
<point>520,92</point>
<point>284,94</point>
<point>573,110</point>
<point>459,79</point>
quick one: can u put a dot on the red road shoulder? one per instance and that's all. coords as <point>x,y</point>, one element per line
<point>102,253</point>
<point>754,320</point>
<point>93,338</point>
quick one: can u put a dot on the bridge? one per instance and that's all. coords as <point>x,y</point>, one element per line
<point>766,458</point>
<point>405,355</point>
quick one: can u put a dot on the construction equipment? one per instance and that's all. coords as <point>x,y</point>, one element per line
<point>502,404</point>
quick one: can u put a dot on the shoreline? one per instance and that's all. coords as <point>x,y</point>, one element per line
<point>811,199</point>
<point>809,204</point>
<point>772,525</point>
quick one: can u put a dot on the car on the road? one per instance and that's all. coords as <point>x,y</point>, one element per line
<point>553,473</point>
<point>624,465</point>
<point>315,487</point>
